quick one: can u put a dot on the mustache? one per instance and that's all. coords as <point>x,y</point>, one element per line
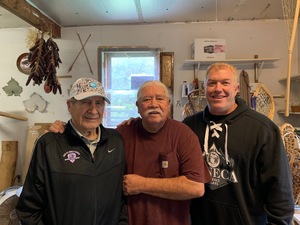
<point>91,116</point>
<point>154,111</point>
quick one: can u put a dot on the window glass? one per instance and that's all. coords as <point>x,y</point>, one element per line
<point>122,71</point>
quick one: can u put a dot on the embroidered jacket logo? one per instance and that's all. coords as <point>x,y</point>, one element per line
<point>71,156</point>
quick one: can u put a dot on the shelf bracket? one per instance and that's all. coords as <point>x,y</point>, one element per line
<point>198,69</point>
<point>257,70</point>
<point>198,65</point>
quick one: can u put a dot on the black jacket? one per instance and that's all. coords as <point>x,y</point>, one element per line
<point>251,179</point>
<point>65,185</point>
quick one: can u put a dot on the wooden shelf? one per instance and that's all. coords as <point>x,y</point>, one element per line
<point>290,112</point>
<point>278,96</point>
<point>231,61</point>
<point>293,78</point>
<point>199,96</point>
<point>257,62</point>
<point>13,116</point>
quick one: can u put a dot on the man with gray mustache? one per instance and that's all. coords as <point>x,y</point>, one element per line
<point>165,167</point>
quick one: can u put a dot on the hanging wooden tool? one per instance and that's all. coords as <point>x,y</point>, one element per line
<point>85,53</point>
<point>255,70</point>
<point>82,48</point>
<point>245,87</point>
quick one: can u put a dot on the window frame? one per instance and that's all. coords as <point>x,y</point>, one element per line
<point>102,49</point>
<point>103,74</point>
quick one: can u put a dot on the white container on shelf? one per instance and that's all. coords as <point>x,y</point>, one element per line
<point>184,89</point>
<point>209,49</point>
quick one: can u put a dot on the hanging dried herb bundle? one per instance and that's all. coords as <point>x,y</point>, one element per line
<point>44,59</point>
<point>37,64</point>
<point>52,61</point>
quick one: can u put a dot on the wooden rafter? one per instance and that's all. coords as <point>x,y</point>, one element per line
<point>31,15</point>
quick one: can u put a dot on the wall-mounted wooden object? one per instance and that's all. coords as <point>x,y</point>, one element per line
<point>8,163</point>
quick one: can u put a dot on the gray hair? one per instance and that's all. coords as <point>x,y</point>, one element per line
<point>158,83</point>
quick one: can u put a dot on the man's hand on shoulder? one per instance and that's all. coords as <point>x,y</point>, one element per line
<point>57,127</point>
<point>127,122</point>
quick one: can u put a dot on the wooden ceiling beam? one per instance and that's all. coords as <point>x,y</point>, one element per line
<point>31,15</point>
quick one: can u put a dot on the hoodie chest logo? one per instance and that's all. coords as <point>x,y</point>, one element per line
<point>222,173</point>
<point>213,159</point>
<point>71,156</point>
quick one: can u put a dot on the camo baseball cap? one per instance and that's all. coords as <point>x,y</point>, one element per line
<point>87,87</point>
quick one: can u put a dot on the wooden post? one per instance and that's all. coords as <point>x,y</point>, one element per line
<point>8,163</point>
<point>290,54</point>
<point>32,135</point>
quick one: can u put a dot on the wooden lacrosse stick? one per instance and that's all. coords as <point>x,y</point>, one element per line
<point>292,148</point>
<point>85,53</point>
<point>79,53</point>
<point>264,101</point>
<point>290,139</point>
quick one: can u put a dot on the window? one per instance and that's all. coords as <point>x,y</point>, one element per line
<point>122,71</point>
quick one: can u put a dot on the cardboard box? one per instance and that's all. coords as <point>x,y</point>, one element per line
<point>209,49</point>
